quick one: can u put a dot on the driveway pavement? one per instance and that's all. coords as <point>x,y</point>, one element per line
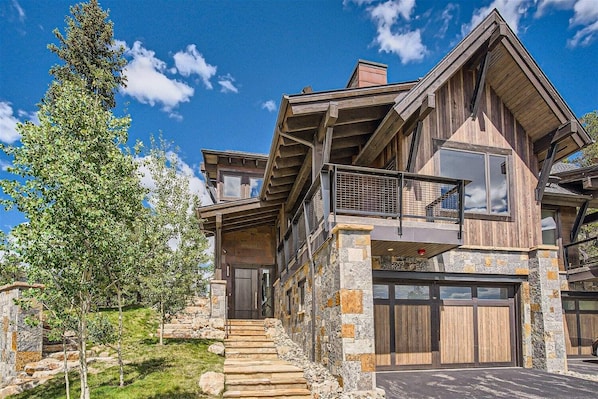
<point>505,383</point>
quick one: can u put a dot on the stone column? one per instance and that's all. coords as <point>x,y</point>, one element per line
<point>20,343</point>
<point>355,334</point>
<point>547,329</point>
<point>218,299</point>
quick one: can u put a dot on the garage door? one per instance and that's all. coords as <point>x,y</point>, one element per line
<point>581,321</point>
<point>434,325</point>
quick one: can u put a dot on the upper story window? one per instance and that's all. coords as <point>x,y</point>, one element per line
<point>255,186</point>
<point>488,192</point>
<point>231,186</point>
<point>549,234</point>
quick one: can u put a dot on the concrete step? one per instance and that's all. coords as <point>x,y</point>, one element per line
<point>265,383</point>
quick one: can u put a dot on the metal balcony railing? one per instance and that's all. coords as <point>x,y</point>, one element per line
<point>582,253</point>
<point>368,192</point>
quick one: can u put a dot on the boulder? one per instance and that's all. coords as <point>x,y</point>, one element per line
<point>217,348</point>
<point>212,383</point>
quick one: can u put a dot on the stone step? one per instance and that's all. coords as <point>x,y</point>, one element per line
<point>265,383</point>
<point>244,343</point>
<point>241,322</point>
<point>270,393</point>
<point>247,333</point>
<point>247,338</point>
<point>251,350</point>
<point>258,356</point>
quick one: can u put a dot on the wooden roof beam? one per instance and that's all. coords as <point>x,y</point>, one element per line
<point>545,173</point>
<point>414,147</point>
<point>581,214</point>
<point>557,135</point>
<point>302,176</point>
<point>328,120</point>
<point>479,86</point>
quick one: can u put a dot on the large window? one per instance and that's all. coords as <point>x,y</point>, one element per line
<point>488,191</point>
<point>231,186</point>
<point>549,234</point>
<point>255,185</point>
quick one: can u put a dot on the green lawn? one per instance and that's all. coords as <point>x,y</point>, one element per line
<point>170,371</point>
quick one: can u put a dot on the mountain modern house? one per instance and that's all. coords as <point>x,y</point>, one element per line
<point>417,224</point>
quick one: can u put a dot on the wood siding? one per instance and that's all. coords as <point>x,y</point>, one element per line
<point>253,246</point>
<point>494,334</point>
<point>456,334</point>
<point>494,127</point>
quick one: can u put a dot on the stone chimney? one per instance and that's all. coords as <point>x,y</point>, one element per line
<point>368,73</point>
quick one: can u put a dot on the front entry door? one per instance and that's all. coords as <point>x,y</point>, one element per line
<point>252,288</point>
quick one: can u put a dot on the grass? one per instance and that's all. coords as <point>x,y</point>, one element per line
<point>170,371</point>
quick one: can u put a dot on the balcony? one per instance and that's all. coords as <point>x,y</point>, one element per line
<point>412,215</point>
<point>581,260</point>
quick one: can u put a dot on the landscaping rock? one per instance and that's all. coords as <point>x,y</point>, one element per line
<point>217,348</point>
<point>212,383</point>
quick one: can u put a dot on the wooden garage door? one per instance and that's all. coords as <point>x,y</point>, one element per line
<point>581,323</point>
<point>431,325</point>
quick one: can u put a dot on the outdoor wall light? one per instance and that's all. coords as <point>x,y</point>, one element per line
<point>421,252</point>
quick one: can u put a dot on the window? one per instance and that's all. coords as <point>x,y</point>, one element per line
<point>255,186</point>
<point>549,235</point>
<point>455,293</point>
<point>412,292</point>
<point>301,286</point>
<point>231,186</point>
<point>488,191</point>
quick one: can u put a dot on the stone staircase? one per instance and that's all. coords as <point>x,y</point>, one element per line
<point>252,368</point>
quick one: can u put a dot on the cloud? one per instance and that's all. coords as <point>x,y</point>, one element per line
<point>8,124</point>
<point>190,62</point>
<point>402,41</point>
<point>543,5</point>
<point>19,9</point>
<point>445,18</point>
<point>269,105</point>
<point>227,84</point>
<point>147,83</point>
<point>511,10</point>
<point>4,165</point>
<point>585,14</point>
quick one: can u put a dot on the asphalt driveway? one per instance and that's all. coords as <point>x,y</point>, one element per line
<point>505,383</point>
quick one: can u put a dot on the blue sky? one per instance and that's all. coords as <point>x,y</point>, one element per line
<point>211,74</point>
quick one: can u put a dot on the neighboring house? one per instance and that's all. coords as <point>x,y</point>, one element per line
<point>414,225</point>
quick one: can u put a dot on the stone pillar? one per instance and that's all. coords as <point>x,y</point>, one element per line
<point>218,299</point>
<point>355,306</point>
<point>20,343</point>
<point>547,329</point>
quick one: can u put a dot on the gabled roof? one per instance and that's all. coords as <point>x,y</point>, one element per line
<point>514,76</point>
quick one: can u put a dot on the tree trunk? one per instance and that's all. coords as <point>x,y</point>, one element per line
<point>162,323</point>
<point>82,335</point>
<point>67,384</point>
<point>121,381</point>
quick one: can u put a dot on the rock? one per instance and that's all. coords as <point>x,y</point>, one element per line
<point>43,365</point>
<point>70,355</point>
<point>10,390</point>
<point>217,348</point>
<point>212,334</point>
<point>212,383</point>
<point>217,323</point>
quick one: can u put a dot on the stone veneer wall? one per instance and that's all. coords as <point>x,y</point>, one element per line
<point>548,335</point>
<point>344,321</point>
<point>19,343</point>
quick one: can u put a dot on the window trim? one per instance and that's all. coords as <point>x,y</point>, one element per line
<point>486,151</point>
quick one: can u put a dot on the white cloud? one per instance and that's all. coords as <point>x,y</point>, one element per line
<point>191,61</point>
<point>147,83</point>
<point>8,124</point>
<point>586,14</point>
<point>446,17</point>
<point>19,9</point>
<point>402,41</point>
<point>511,10</point>
<point>543,5</point>
<point>269,105</point>
<point>227,84</point>
<point>4,165</point>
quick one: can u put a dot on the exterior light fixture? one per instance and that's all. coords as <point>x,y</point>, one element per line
<point>421,252</point>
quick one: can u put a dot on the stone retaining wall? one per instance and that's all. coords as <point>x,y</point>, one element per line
<point>20,343</point>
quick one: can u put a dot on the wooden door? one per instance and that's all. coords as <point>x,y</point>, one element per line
<point>245,304</point>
